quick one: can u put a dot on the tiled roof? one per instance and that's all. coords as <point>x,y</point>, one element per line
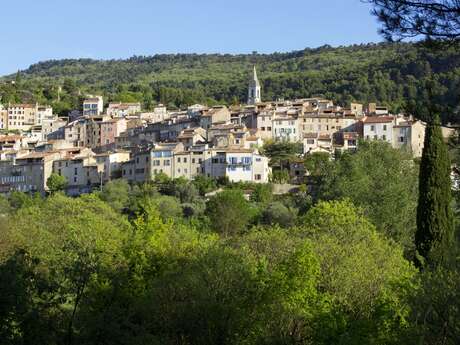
<point>378,119</point>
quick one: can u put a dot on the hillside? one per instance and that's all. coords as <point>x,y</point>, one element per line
<point>385,73</point>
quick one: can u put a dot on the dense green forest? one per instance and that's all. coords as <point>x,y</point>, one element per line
<point>392,74</point>
<point>160,263</point>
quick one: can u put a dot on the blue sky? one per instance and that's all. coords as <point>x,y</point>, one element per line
<point>32,30</point>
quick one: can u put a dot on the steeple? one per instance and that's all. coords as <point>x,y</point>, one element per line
<point>254,95</point>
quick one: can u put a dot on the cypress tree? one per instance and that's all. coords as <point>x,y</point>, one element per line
<point>434,213</point>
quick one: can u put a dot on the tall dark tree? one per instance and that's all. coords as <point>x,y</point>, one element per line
<point>433,19</point>
<point>434,213</point>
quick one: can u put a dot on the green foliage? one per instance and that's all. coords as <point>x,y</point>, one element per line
<point>169,207</point>
<point>116,194</point>
<point>434,213</point>
<point>435,308</point>
<point>281,152</point>
<point>392,74</point>
<point>278,214</point>
<point>56,183</point>
<point>262,193</point>
<point>204,184</point>
<point>383,182</point>
<point>138,264</point>
<point>229,212</point>
<point>365,274</point>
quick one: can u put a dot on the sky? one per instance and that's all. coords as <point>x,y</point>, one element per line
<point>38,30</point>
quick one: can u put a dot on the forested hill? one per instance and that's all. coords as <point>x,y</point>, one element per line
<point>387,73</point>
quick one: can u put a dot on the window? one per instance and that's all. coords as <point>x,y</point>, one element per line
<point>75,179</point>
<point>200,160</point>
<point>185,159</point>
<point>384,137</point>
<point>59,171</point>
<point>166,162</point>
<point>76,171</point>
<point>193,160</point>
<point>178,159</point>
<point>258,177</point>
<point>401,139</point>
<point>376,137</point>
<point>310,141</point>
<point>372,128</point>
<point>269,128</point>
<point>384,127</point>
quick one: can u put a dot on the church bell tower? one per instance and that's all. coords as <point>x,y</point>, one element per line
<point>254,89</point>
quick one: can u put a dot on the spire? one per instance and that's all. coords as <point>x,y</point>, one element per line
<point>254,94</point>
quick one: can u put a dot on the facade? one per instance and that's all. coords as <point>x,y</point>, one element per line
<point>145,165</point>
<point>81,172</point>
<point>3,117</point>
<point>286,128</point>
<point>22,116</point>
<point>123,109</point>
<point>43,112</point>
<point>238,165</point>
<point>378,128</point>
<point>111,163</point>
<point>110,129</point>
<point>410,135</point>
<point>264,124</point>
<point>213,116</point>
<point>53,128</point>
<point>75,132</point>
<point>29,173</point>
<point>93,106</point>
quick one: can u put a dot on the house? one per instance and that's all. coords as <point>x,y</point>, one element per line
<point>374,109</point>
<point>3,117</point>
<point>93,106</point>
<point>43,112</point>
<point>110,129</point>
<point>264,123</point>
<point>80,170</point>
<point>145,165</point>
<point>75,132</point>
<point>28,173</point>
<point>285,128</point>
<point>111,163</point>
<point>238,165</point>
<point>123,109</point>
<point>346,141</point>
<point>53,127</point>
<point>93,130</point>
<point>218,114</point>
<point>13,142</point>
<point>410,135</point>
<point>191,136</point>
<point>22,116</point>
<point>378,128</point>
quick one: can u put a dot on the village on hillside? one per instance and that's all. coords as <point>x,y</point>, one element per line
<point>92,147</point>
